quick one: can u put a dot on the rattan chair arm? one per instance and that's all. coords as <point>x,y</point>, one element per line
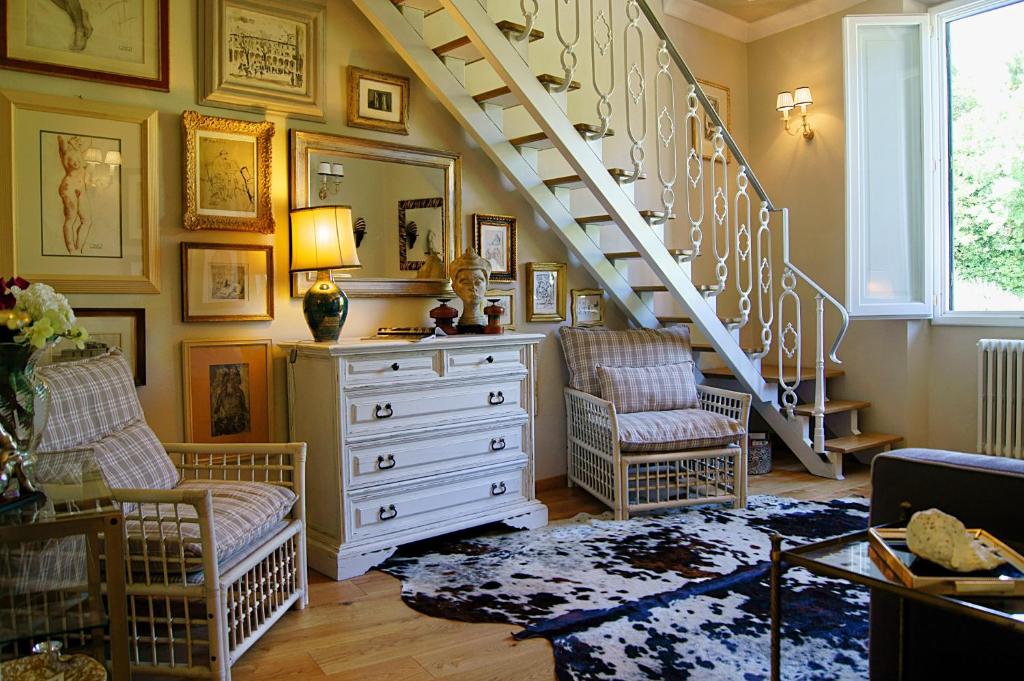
<point>735,405</point>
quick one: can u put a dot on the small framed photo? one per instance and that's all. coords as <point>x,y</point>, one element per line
<point>227,385</point>
<point>587,307</point>
<point>721,101</point>
<point>545,292</point>
<point>494,238</point>
<point>123,328</point>
<point>507,299</point>
<point>227,282</point>
<point>264,55</point>
<point>227,174</point>
<point>378,101</point>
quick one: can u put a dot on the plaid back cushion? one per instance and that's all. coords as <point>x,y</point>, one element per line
<point>663,388</point>
<point>586,349</point>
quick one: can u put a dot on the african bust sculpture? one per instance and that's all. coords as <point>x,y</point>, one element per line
<point>470,273</point>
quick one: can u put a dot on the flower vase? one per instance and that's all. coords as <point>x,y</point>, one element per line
<point>24,408</point>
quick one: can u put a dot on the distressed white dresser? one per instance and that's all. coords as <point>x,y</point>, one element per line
<point>408,440</point>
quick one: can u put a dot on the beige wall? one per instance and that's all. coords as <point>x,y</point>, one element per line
<point>350,40</point>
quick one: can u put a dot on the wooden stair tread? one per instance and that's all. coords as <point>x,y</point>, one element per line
<point>707,347</point>
<point>648,215</point>
<point>833,407</point>
<point>635,255</point>
<point>463,47</point>
<point>770,372</point>
<point>575,181</point>
<point>850,444</point>
<point>675,320</point>
<point>426,6</point>
<point>502,96</point>
<point>653,288</point>
<point>540,140</point>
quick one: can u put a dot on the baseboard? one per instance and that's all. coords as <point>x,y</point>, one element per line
<point>556,482</point>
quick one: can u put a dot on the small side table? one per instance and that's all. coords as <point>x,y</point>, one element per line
<point>848,557</point>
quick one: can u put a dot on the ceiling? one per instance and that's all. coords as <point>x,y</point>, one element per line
<point>752,10</point>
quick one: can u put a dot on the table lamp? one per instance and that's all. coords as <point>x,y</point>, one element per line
<point>322,240</point>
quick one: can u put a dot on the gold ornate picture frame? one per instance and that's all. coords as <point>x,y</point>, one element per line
<point>545,291</point>
<point>720,97</point>
<point>227,173</point>
<point>494,238</point>
<point>79,209</point>
<point>227,282</point>
<point>587,307</point>
<point>378,101</point>
<point>264,55</point>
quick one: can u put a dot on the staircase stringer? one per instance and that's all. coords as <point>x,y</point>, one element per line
<point>402,37</point>
<point>517,75</point>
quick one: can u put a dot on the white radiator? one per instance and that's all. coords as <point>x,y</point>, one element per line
<point>1000,397</point>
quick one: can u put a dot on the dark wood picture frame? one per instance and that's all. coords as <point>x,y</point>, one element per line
<point>161,82</point>
<point>511,246</point>
<point>188,316</point>
<point>138,314</point>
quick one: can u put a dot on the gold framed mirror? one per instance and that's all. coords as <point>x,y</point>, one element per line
<point>406,208</point>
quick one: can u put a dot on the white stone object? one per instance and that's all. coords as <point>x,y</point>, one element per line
<point>470,273</point>
<point>943,539</point>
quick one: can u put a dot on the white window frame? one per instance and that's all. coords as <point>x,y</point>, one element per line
<point>855,192</point>
<point>941,16</point>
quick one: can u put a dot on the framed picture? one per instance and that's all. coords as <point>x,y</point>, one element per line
<point>494,238</point>
<point>378,101</point>
<point>507,299</point>
<point>720,98</point>
<point>264,55</point>
<point>109,327</point>
<point>80,204</point>
<point>419,221</point>
<point>545,292</point>
<point>227,390</point>
<point>124,42</point>
<point>227,174</point>
<point>587,307</point>
<point>226,282</point>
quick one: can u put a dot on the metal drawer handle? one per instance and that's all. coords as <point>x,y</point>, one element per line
<point>390,460</point>
<point>490,359</point>
<point>384,412</point>
<point>389,513</point>
<point>395,367</point>
<point>497,444</point>
<point>496,489</point>
<point>495,398</point>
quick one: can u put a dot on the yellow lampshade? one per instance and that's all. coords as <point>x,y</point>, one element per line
<point>784,102</point>
<point>322,239</point>
<point>803,96</point>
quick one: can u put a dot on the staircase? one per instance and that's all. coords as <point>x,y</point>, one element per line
<point>680,230</point>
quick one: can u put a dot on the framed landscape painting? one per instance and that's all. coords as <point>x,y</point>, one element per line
<point>227,174</point>
<point>494,238</point>
<point>124,42</point>
<point>227,282</point>
<point>378,101</point>
<point>227,390</point>
<point>265,55</point>
<point>80,207</point>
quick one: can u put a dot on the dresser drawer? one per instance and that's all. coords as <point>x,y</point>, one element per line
<point>402,409</point>
<point>475,360</point>
<point>384,462</point>
<point>410,506</point>
<point>390,368</point>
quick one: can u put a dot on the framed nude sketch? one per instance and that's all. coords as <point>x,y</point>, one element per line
<point>264,55</point>
<point>227,391</point>
<point>82,196</point>
<point>227,174</point>
<point>124,42</point>
<point>227,282</point>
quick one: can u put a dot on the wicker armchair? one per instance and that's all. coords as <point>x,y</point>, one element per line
<point>686,457</point>
<point>214,534</point>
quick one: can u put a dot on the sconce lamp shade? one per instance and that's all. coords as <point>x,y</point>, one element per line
<point>803,96</point>
<point>323,239</point>
<point>784,102</point>
<point>93,155</point>
<point>323,168</point>
<point>112,158</point>
<point>338,170</point>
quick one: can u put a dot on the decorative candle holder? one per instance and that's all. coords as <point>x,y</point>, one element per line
<point>444,317</point>
<point>494,312</point>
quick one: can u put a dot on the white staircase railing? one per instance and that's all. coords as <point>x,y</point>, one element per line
<point>637,78</point>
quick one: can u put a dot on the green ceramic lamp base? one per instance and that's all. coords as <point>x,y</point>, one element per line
<point>326,307</point>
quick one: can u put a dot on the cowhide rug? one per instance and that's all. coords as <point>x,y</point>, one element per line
<point>679,594</point>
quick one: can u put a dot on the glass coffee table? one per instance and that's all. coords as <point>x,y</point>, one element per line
<point>849,557</point>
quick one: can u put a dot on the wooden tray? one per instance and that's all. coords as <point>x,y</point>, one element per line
<point>890,547</point>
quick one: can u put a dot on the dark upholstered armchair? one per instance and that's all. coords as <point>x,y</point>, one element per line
<point>983,491</point>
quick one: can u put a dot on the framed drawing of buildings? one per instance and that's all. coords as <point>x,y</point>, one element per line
<point>227,390</point>
<point>124,42</point>
<point>227,174</point>
<point>227,282</point>
<point>80,209</point>
<point>378,101</point>
<point>264,55</point>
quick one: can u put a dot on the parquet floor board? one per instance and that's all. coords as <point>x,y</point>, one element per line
<point>361,629</point>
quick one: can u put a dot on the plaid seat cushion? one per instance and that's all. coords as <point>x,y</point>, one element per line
<point>677,430</point>
<point>243,512</point>
<point>662,388</point>
<point>586,349</point>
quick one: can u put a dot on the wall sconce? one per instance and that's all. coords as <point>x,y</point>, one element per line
<point>94,158</point>
<point>787,101</point>
<point>330,178</point>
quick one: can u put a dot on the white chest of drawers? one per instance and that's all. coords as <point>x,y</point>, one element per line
<point>408,440</point>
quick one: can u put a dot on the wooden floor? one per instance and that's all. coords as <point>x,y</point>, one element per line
<point>361,629</point>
